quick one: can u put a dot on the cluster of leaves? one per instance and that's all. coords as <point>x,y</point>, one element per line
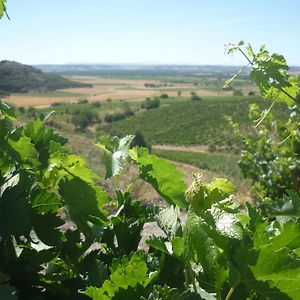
<point>72,241</point>
<point>270,156</point>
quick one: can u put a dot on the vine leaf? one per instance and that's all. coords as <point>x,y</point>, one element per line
<point>115,153</point>
<point>162,175</point>
<point>278,261</point>
<point>126,274</point>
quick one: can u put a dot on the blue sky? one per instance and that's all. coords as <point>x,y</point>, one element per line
<point>143,31</point>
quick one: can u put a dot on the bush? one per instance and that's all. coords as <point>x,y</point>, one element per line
<point>55,104</point>
<point>31,111</point>
<point>139,140</point>
<point>150,104</point>
<point>82,101</point>
<point>164,96</point>
<point>21,109</point>
<point>84,118</point>
<point>195,97</point>
<point>251,93</point>
<point>96,104</point>
<point>237,93</point>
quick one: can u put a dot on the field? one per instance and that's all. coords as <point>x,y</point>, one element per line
<point>226,164</point>
<point>185,122</point>
<point>129,89</point>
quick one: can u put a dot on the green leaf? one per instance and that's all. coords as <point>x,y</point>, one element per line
<point>277,262</point>
<point>14,209</point>
<point>5,109</point>
<point>46,228</point>
<point>126,274</point>
<point>162,175</point>
<point>25,149</point>
<point>83,201</point>
<point>226,223</point>
<point>223,185</point>
<point>45,202</point>
<point>115,153</point>
<point>168,220</point>
<point>199,245</point>
<point>43,137</point>
<point>278,95</point>
<point>157,243</point>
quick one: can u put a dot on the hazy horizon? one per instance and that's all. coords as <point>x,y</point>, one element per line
<point>135,32</point>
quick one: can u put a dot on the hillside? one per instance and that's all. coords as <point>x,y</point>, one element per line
<point>18,78</point>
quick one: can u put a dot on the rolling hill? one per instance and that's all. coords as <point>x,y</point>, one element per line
<point>19,78</point>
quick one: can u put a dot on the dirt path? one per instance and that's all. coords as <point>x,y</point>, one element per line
<point>194,149</point>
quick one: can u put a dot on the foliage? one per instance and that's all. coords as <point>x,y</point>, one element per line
<point>2,8</point>
<point>151,103</point>
<point>139,140</point>
<point>271,155</point>
<point>84,118</point>
<point>117,116</point>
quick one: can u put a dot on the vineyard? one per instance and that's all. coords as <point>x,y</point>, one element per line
<point>218,162</point>
<point>170,125</point>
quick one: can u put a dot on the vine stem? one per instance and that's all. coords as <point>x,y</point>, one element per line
<point>230,293</point>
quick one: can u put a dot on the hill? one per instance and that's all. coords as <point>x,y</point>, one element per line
<point>18,78</point>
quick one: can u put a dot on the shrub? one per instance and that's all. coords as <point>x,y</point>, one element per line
<point>83,101</point>
<point>55,104</point>
<point>96,104</point>
<point>84,118</point>
<point>21,109</point>
<point>164,96</point>
<point>150,104</point>
<point>195,97</point>
<point>237,93</point>
<point>139,140</point>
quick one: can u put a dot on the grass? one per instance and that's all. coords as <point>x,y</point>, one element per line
<point>216,162</point>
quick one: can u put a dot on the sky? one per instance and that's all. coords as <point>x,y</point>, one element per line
<point>146,32</point>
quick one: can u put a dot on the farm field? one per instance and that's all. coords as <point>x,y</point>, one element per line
<point>129,89</point>
<point>185,122</point>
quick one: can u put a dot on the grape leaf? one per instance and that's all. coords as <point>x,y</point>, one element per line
<point>45,202</point>
<point>162,175</point>
<point>83,201</point>
<point>25,149</point>
<point>278,263</point>
<point>223,185</point>
<point>115,153</point>
<point>168,220</point>
<point>127,274</point>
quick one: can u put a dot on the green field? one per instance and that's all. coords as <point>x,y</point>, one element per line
<point>217,162</point>
<point>186,122</point>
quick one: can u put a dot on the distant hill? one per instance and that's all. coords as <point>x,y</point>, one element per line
<point>18,78</point>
